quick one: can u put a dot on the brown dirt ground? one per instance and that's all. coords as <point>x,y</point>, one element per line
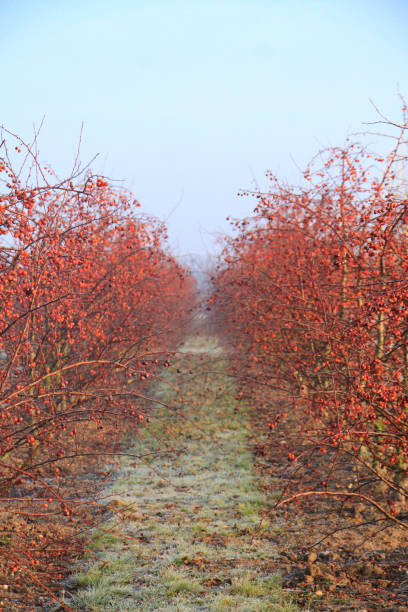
<point>44,546</point>
<point>334,555</point>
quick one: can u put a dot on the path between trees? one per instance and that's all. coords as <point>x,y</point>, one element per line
<point>187,532</point>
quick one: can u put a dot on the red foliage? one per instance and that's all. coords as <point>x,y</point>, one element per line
<point>313,295</point>
<point>91,303</point>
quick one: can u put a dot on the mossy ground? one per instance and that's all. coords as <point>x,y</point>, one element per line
<point>189,521</point>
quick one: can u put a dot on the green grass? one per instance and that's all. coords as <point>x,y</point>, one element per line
<point>195,540</point>
<point>181,583</point>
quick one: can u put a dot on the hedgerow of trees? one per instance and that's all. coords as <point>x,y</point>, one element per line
<point>91,304</point>
<point>312,292</point>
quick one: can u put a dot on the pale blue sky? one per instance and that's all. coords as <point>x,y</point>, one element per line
<point>189,101</point>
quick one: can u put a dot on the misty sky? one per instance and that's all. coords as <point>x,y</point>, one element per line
<point>189,101</point>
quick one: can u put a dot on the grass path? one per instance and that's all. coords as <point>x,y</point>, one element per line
<point>192,512</point>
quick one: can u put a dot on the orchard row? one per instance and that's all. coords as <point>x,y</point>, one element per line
<point>91,304</point>
<point>313,295</point>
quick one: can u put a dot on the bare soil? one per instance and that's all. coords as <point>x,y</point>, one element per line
<point>334,555</point>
